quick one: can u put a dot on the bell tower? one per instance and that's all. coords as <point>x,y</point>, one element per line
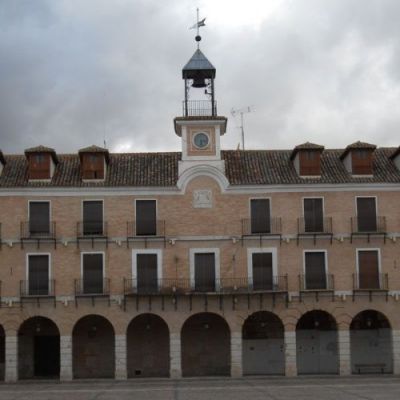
<point>200,127</point>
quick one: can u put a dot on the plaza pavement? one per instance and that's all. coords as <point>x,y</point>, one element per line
<point>271,388</point>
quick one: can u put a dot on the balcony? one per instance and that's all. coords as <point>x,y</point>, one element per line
<point>92,288</point>
<point>370,284</point>
<point>220,287</point>
<point>33,231</point>
<point>307,228</point>
<point>37,290</point>
<point>145,230</point>
<point>367,227</point>
<point>256,228</point>
<point>92,231</point>
<point>316,285</point>
<point>199,108</point>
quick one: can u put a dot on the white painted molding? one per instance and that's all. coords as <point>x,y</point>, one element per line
<point>202,170</point>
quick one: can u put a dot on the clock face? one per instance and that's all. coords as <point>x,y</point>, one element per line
<point>201,140</point>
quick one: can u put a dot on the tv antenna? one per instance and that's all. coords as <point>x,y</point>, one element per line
<point>241,112</point>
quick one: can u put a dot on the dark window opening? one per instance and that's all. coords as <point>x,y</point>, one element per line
<point>92,280</point>
<point>366,214</point>
<point>93,218</point>
<point>204,272</point>
<point>361,162</point>
<point>38,274</point>
<point>147,280</point>
<point>310,163</point>
<point>39,218</point>
<point>262,271</point>
<point>313,215</point>
<point>368,269</point>
<point>260,216</point>
<point>146,214</point>
<point>315,271</point>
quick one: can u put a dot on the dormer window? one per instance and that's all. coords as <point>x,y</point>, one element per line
<point>2,162</point>
<point>358,158</point>
<point>41,163</point>
<point>94,162</point>
<point>307,159</point>
<point>395,157</point>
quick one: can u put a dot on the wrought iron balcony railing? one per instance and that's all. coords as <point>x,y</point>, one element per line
<point>199,108</point>
<point>92,287</point>
<point>373,224</point>
<point>91,228</point>
<point>145,228</point>
<point>314,226</point>
<point>370,282</point>
<point>37,230</point>
<point>223,286</point>
<point>321,283</point>
<point>268,226</point>
<point>37,288</point>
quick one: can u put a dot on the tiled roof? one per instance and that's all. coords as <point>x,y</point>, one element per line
<point>357,145</point>
<point>306,146</point>
<point>250,167</point>
<point>43,149</point>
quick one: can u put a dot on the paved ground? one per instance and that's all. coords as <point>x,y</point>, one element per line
<point>354,388</point>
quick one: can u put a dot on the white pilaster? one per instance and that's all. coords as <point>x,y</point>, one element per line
<point>396,351</point>
<point>344,352</point>
<point>290,354</point>
<point>11,373</point>
<point>120,357</point>
<point>65,358</point>
<point>175,370</point>
<point>236,355</point>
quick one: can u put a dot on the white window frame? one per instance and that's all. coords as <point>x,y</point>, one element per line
<point>49,267</point>
<point>253,250</point>
<point>377,249</point>
<point>367,197</point>
<point>158,253</point>
<point>50,212</point>
<point>202,250</point>
<point>314,197</point>
<point>94,252</point>
<point>88,201</point>
<point>325,261</point>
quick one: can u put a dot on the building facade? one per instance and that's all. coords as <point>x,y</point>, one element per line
<point>200,263</point>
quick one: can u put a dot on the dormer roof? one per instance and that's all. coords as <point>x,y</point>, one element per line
<point>395,153</point>
<point>95,149</point>
<point>2,159</point>
<point>306,146</point>
<point>357,146</point>
<point>42,149</point>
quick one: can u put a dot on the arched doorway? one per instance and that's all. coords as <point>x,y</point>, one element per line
<point>38,349</point>
<point>2,353</point>
<point>263,345</point>
<point>148,347</point>
<point>316,344</point>
<point>371,343</point>
<point>93,344</point>
<point>205,346</point>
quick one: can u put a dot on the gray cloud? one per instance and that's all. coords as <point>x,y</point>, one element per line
<point>73,73</point>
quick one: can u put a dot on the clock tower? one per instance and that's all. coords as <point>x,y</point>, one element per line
<point>200,127</point>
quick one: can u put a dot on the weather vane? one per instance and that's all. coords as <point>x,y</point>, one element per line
<point>198,25</point>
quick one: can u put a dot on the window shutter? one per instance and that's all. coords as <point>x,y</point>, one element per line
<point>260,216</point>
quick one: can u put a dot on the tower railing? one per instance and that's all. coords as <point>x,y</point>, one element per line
<point>199,108</point>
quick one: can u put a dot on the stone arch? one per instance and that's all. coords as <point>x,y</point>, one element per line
<point>38,348</point>
<point>263,344</point>
<point>148,346</point>
<point>371,346</point>
<point>202,170</point>
<point>93,347</point>
<point>316,343</point>
<point>205,346</point>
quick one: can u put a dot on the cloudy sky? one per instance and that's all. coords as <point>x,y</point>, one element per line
<point>76,72</point>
